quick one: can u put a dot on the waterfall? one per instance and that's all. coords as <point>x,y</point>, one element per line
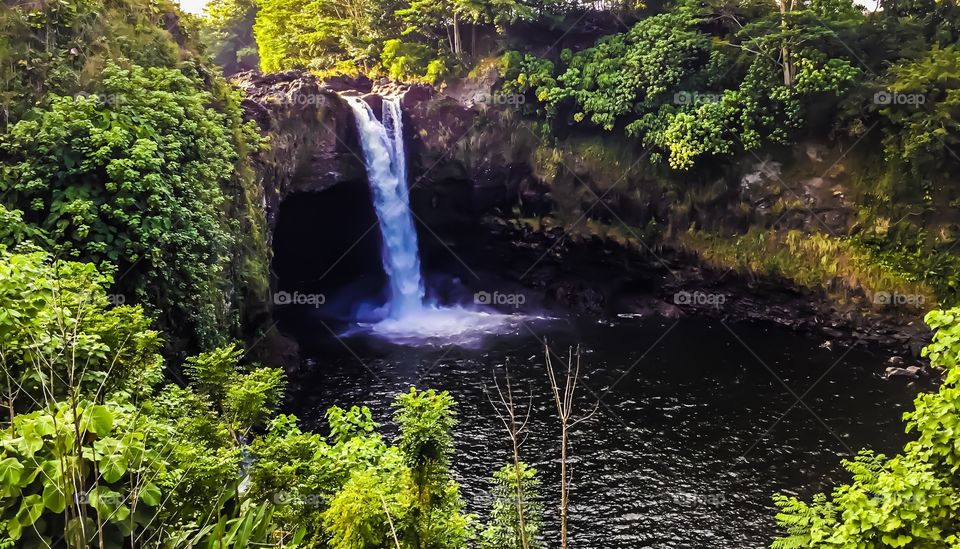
<point>408,320</point>
<point>386,165</point>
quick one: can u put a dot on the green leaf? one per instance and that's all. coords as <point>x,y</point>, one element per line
<point>113,467</point>
<point>100,421</point>
<point>150,494</point>
<point>10,471</point>
<point>53,498</point>
<point>30,510</point>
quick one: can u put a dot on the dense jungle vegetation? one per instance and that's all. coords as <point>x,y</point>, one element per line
<point>696,85</point>
<point>133,268</point>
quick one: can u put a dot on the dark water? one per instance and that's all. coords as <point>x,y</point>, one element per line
<point>690,439</point>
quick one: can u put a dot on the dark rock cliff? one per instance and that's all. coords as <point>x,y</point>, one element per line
<point>473,156</point>
<point>312,138</point>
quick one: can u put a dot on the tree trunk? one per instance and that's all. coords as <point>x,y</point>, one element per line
<point>788,71</point>
<point>457,46</point>
<point>524,543</point>
<point>564,487</point>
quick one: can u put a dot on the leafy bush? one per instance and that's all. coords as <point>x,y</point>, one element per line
<point>515,491</point>
<point>354,489</point>
<point>684,91</point>
<point>92,452</point>
<point>133,175</point>
<point>909,500</point>
<point>411,61</point>
<point>82,471</point>
<point>48,308</point>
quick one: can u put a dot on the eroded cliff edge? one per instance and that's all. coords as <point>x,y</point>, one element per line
<point>557,204</point>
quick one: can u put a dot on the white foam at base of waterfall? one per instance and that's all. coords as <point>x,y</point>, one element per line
<point>406,319</point>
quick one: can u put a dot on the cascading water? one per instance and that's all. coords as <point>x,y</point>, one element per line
<point>407,318</point>
<point>386,167</point>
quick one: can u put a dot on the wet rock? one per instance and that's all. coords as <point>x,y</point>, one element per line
<point>376,103</point>
<point>912,372</point>
<point>311,131</point>
<point>341,83</point>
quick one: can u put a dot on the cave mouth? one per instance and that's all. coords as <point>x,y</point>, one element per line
<point>326,253</point>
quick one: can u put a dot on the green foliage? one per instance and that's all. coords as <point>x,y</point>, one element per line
<point>133,175</point>
<point>83,470</point>
<point>15,232</point>
<point>246,400</point>
<point>407,61</point>
<point>322,34</point>
<point>909,500</point>
<point>815,260</point>
<point>49,307</point>
<point>923,130</point>
<point>59,46</point>
<point>91,452</point>
<point>346,489</point>
<point>515,492</point>
<point>253,397</point>
<point>688,93</point>
<point>426,419</point>
<point>227,33</point>
<point>410,40</point>
<point>631,72</point>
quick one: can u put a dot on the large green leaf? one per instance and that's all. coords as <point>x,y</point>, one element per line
<point>100,420</point>
<point>150,494</point>
<point>112,468</point>
<point>30,510</point>
<point>10,471</point>
<point>54,498</point>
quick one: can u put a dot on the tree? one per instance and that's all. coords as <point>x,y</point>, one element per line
<point>426,419</point>
<point>564,399</point>
<point>227,32</point>
<point>61,338</point>
<point>511,528</point>
<point>922,108</point>
<point>134,174</point>
<point>94,451</point>
<point>323,34</point>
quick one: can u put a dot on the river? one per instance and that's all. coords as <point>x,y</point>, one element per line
<point>698,423</point>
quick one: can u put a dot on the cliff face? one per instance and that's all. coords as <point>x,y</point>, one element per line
<point>312,138</point>
<point>473,157</point>
<point>471,153</point>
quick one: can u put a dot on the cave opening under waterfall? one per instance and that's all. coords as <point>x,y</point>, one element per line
<point>327,244</point>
